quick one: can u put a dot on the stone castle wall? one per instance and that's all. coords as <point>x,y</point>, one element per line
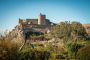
<point>35,25</point>
<point>34,21</point>
<point>28,21</point>
<point>41,21</point>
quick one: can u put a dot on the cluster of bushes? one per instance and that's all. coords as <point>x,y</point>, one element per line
<point>73,48</point>
<point>65,29</point>
<point>26,45</point>
<point>83,53</point>
<point>78,51</point>
<point>56,51</point>
<point>8,49</point>
<point>73,36</point>
<point>33,54</point>
<point>58,56</point>
<point>80,38</point>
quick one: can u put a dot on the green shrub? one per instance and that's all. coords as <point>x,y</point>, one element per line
<point>59,56</point>
<point>33,54</point>
<point>24,54</point>
<point>74,31</point>
<point>73,48</point>
<point>65,29</point>
<point>33,33</point>
<point>87,43</point>
<point>8,49</point>
<point>65,39</point>
<point>35,45</point>
<point>26,46</point>
<point>83,54</point>
<point>80,38</point>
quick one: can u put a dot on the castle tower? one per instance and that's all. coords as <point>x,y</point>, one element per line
<point>42,19</point>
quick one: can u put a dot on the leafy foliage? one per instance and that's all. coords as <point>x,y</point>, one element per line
<point>80,38</point>
<point>8,49</point>
<point>26,45</point>
<point>65,29</point>
<point>74,31</point>
<point>58,56</point>
<point>83,53</point>
<point>32,33</point>
<point>73,48</point>
<point>33,54</point>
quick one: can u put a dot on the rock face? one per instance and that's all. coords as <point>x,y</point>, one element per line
<point>17,36</point>
<point>87,27</point>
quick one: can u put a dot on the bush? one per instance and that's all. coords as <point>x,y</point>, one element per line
<point>80,38</point>
<point>74,31</point>
<point>32,33</point>
<point>26,45</point>
<point>33,54</point>
<point>65,29</point>
<point>87,43</point>
<point>24,54</point>
<point>59,56</point>
<point>83,54</point>
<point>65,39</point>
<point>73,48</point>
<point>8,50</point>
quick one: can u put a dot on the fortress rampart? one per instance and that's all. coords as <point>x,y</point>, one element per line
<point>35,25</point>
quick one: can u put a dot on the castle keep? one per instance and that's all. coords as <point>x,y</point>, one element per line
<point>35,25</point>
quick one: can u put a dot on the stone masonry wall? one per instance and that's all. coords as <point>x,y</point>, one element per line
<point>27,21</point>
<point>34,21</point>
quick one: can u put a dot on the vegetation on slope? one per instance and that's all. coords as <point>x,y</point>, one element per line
<point>75,45</point>
<point>8,48</point>
<point>67,30</point>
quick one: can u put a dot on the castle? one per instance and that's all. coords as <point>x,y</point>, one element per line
<point>35,25</point>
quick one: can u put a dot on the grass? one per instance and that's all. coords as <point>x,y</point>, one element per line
<point>35,45</point>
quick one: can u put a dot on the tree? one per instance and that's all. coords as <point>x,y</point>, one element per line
<point>65,29</point>
<point>8,49</point>
<point>73,48</point>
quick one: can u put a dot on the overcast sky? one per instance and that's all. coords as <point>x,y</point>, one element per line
<point>55,10</point>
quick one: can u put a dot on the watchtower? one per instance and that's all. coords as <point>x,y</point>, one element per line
<point>42,19</point>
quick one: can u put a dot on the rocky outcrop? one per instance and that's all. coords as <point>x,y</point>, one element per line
<point>87,27</point>
<point>17,36</point>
